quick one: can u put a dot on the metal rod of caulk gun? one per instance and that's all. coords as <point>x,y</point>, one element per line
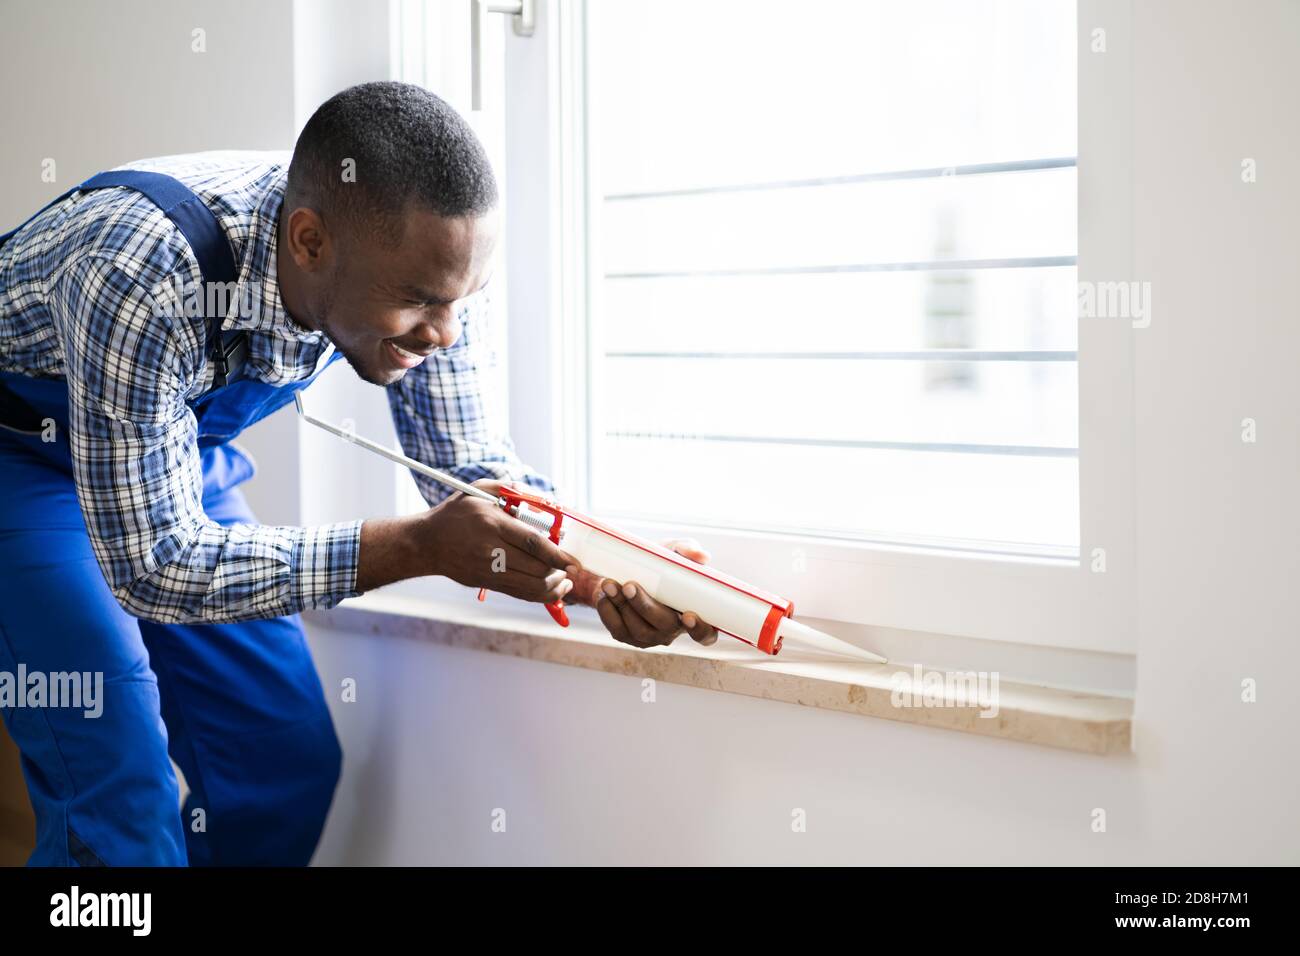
<point>451,481</point>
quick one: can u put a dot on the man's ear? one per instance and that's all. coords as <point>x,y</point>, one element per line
<point>307,239</point>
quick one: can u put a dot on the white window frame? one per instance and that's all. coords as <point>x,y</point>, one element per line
<point>1049,602</point>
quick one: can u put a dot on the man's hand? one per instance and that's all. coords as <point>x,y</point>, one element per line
<point>471,541</point>
<point>475,543</point>
<point>632,616</point>
<point>481,546</point>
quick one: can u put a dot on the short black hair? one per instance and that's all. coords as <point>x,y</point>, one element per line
<point>406,146</point>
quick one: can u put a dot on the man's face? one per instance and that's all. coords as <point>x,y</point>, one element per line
<point>387,309</point>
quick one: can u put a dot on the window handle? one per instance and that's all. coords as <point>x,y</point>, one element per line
<point>523,16</point>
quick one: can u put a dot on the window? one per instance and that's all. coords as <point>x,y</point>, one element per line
<point>831,258</point>
<point>800,279</point>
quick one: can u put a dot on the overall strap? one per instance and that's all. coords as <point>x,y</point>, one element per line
<point>184,208</point>
<point>208,242</point>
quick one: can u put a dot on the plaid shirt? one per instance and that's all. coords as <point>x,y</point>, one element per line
<point>91,292</point>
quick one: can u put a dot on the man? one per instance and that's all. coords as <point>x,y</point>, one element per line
<point>125,545</point>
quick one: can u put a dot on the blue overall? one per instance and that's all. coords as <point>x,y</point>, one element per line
<point>239,707</point>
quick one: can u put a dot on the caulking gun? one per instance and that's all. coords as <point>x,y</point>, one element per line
<point>734,607</point>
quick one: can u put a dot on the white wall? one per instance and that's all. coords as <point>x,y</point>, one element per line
<point>93,85</point>
<point>1219,519</point>
<point>587,773</point>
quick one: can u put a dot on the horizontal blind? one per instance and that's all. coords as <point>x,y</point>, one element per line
<point>833,268</point>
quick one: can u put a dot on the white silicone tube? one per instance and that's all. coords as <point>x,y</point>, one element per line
<point>678,584</point>
<point>680,588</point>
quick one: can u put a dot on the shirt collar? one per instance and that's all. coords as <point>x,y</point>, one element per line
<point>259,285</point>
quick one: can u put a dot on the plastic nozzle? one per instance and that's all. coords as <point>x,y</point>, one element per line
<point>801,637</point>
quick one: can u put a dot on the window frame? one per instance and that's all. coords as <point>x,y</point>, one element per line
<point>1084,604</point>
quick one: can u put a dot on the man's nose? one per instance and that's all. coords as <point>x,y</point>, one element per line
<point>442,331</point>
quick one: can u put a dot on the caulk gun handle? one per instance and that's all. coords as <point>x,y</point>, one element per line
<point>510,502</point>
<point>555,609</point>
<point>558,613</point>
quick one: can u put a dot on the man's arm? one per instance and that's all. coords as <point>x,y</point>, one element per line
<point>139,474</point>
<point>130,362</point>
